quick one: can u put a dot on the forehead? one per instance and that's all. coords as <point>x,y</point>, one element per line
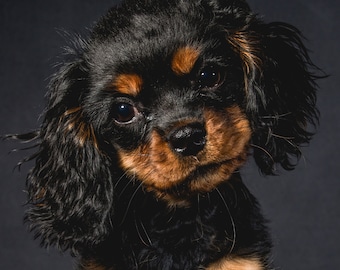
<point>143,40</point>
<point>151,46</point>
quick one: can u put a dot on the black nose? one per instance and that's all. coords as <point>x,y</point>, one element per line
<point>188,140</point>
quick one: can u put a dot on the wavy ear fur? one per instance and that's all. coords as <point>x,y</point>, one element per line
<point>70,186</point>
<point>288,109</point>
<point>280,88</point>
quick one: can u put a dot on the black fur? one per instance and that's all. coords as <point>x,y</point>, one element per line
<point>82,199</point>
<point>153,236</point>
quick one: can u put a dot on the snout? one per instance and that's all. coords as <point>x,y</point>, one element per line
<point>190,155</point>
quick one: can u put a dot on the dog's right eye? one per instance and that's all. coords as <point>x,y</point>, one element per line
<point>124,112</point>
<point>210,77</point>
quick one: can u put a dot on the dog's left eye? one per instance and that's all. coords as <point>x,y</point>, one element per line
<point>124,112</point>
<point>209,77</point>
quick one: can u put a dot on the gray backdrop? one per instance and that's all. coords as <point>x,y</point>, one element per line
<point>303,205</point>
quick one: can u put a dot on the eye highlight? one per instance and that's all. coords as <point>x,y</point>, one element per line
<point>124,112</point>
<point>209,77</point>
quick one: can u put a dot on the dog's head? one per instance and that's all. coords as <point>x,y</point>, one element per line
<point>171,96</point>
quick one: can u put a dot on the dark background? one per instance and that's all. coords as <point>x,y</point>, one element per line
<point>303,205</point>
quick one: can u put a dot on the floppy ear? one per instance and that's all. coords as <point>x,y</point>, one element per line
<point>281,91</point>
<point>70,187</point>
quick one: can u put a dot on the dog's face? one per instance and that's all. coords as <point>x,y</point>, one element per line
<point>171,104</point>
<point>171,97</point>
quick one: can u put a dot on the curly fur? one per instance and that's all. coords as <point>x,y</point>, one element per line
<point>83,194</point>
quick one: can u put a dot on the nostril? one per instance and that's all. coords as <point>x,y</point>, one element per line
<point>188,140</point>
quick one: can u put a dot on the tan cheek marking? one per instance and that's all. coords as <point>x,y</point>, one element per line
<point>129,84</point>
<point>237,264</point>
<point>155,164</point>
<point>228,136</point>
<point>184,60</point>
<point>228,133</point>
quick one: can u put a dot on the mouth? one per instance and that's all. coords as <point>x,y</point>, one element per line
<point>201,180</point>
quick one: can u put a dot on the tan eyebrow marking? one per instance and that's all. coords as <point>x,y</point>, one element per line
<point>184,60</point>
<point>130,84</point>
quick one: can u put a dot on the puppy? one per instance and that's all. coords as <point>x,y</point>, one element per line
<point>147,124</point>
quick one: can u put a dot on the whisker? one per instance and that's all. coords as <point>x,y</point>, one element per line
<point>288,140</point>
<point>282,137</point>
<point>264,150</point>
<point>233,239</point>
<point>278,116</point>
<point>199,221</point>
<point>147,243</point>
<point>120,179</point>
<point>129,204</point>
